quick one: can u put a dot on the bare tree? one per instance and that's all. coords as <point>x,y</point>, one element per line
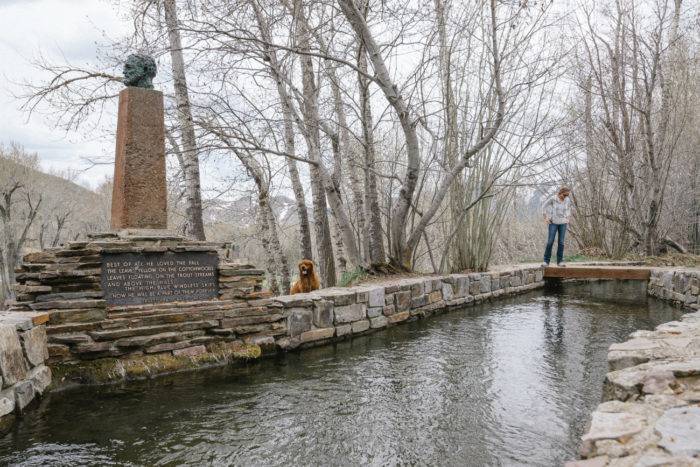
<point>16,217</point>
<point>405,243</point>
<point>194,226</point>
<point>640,97</point>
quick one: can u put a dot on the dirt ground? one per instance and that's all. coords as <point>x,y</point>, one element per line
<point>670,259</point>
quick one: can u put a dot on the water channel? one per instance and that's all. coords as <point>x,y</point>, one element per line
<point>511,382</point>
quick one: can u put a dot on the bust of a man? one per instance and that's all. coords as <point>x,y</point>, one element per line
<point>139,71</point>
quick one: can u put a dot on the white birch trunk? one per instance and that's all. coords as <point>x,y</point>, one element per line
<point>194,227</point>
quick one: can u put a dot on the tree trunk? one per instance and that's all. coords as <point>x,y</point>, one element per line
<point>264,226</point>
<point>289,146</point>
<point>391,92</point>
<point>13,242</point>
<point>402,248</point>
<point>340,260</point>
<point>281,263</point>
<point>459,252</point>
<point>324,245</point>
<point>299,196</point>
<point>194,226</point>
<point>371,202</point>
<point>276,261</point>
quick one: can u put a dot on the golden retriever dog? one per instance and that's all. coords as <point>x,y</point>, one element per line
<point>308,280</point>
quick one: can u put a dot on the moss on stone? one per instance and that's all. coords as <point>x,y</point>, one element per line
<point>247,351</point>
<point>6,423</point>
<point>111,370</point>
<point>100,371</point>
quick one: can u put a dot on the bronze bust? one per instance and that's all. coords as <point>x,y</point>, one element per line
<point>139,71</point>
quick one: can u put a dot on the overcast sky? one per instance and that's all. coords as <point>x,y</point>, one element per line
<point>72,28</point>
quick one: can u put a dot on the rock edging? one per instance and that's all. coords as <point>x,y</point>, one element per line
<point>24,376</point>
<point>137,342</point>
<point>336,313</point>
<point>680,287</point>
<point>651,413</point>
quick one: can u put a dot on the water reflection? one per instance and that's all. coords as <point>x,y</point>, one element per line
<point>506,383</point>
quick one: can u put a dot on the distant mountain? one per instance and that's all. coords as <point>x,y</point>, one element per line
<point>242,211</point>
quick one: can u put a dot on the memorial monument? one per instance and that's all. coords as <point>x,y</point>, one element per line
<point>139,289</point>
<point>140,206</point>
<point>140,195</point>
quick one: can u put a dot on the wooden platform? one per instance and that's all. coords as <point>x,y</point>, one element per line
<point>598,272</point>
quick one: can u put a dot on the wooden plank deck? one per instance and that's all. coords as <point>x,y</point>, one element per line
<point>598,272</point>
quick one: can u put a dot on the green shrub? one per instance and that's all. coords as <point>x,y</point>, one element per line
<point>350,277</point>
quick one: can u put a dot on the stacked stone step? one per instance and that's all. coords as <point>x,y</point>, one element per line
<point>66,283</point>
<point>240,281</point>
<point>23,373</point>
<point>55,275</point>
<point>336,313</point>
<point>171,327</point>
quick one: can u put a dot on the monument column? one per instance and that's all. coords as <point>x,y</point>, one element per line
<point>139,195</point>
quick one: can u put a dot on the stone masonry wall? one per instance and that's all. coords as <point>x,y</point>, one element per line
<point>651,413</point>
<point>91,342</point>
<point>651,409</point>
<point>678,286</point>
<point>65,283</point>
<point>23,373</point>
<point>337,313</point>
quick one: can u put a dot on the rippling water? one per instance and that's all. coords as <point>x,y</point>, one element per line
<point>511,382</point>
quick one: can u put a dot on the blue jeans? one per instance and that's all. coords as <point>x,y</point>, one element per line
<point>553,229</point>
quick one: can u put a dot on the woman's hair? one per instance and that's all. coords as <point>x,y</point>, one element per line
<point>564,189</point>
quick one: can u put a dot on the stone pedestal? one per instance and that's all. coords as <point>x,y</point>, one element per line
<point>139,197</point>
<point>141,292</point>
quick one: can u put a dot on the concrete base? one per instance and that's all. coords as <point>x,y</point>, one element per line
<point>137,234</point>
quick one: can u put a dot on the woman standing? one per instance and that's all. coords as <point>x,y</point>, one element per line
<point>556,211</point>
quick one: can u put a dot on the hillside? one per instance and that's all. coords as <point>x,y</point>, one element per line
<point>65,205</point>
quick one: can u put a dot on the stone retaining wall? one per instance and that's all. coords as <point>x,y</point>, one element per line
<point>337,313</point>
<point>651,413</point>
<point>92,342</point>
<point>679,286</point>
<point>23,373</point>
<point>65,282</point>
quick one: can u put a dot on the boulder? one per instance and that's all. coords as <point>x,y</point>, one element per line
<point>403,300</point>
<point>447,291</point>
<point>376,297</point>
<point>398,317</point>
<point>12,363</point>
<point>378,322</point>
<point>614,425</point>
<point>40,377</point>
<point>24,394</point>
<point>679,428</point>
<point>343,330</point>
<point>360,326</point>
<point>317,334</point>
<point>7,402</point>
<point>34,342</point>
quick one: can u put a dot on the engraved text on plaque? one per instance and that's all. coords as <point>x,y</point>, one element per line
<point>139,278</point>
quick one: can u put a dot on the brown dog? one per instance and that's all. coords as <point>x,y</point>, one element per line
<point>308,280</point>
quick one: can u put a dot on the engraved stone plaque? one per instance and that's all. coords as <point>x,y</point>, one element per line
<point>140,278</point>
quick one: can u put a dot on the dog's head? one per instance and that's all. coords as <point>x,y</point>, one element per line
<point>306,268</point>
